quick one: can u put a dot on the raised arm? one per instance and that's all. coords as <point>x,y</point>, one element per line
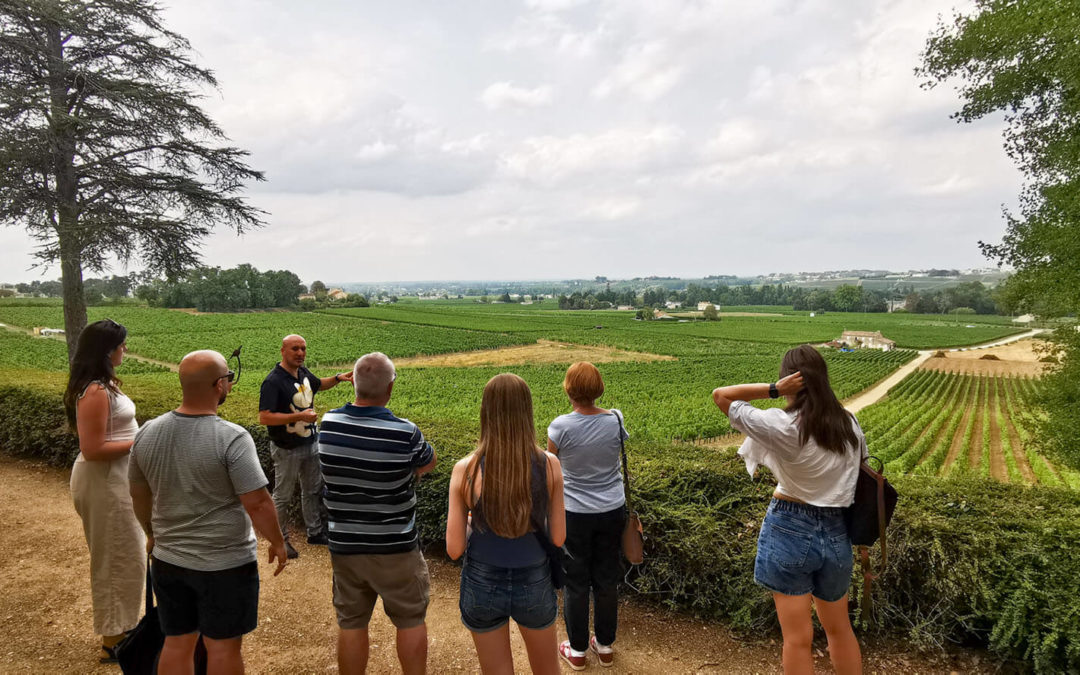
<point>725,396</point>
<point>93,419</point>
<point>260,508</point>
<point>333,380</point>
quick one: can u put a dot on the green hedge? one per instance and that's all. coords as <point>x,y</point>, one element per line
<point>971,561</point>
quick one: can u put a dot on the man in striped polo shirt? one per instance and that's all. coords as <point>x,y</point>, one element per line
<point>370,460</point>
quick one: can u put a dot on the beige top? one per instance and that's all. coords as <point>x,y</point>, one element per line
<point>121,425</point>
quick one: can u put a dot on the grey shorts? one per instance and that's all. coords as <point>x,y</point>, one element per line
<point>400,579</point>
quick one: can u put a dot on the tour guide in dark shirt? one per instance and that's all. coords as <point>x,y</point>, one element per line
<point>286,407</point>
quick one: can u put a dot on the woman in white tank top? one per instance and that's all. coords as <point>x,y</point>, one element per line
<point>105,421</point>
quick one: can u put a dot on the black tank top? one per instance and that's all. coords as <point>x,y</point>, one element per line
<point>525,551</point>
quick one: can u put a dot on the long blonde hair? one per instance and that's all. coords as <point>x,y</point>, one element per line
<point>508,447</point>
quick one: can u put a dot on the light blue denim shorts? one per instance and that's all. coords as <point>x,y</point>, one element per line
<point>804,549</point>
<point>491,596</point>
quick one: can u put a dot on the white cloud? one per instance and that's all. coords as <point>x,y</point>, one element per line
<point>506,95</point>
<point>552,159</point>
<point>439,144</point>
<point>645,71</point>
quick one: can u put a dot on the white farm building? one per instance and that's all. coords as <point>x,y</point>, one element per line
<point>867,339</point>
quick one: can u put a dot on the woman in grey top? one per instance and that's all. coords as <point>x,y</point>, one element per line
<point>588,441</point>
<point>105,420</point>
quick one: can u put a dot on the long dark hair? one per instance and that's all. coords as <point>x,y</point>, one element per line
<point>821,416</point>
<point>92,362</point>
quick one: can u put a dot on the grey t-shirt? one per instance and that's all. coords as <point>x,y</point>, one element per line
<point>589,451</point>
<point>196,465</point>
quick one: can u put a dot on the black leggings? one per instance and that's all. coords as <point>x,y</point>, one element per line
<point>593,563</point>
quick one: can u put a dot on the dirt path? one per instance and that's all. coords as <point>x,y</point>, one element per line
<point>958,439</point>
<point>879,390</point>
<point>45,615</point>
<point>975,450</point>
<point>1016,444</point>
<point>997,456</point>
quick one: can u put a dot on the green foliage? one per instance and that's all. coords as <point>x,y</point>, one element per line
<point>212,289</point>
<point>106,152</point>
<point>1022,57</point>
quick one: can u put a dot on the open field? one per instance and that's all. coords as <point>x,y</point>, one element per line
<point>1017,359</point>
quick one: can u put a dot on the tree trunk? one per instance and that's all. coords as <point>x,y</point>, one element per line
<point>71,281</point>
<point>62,131</point>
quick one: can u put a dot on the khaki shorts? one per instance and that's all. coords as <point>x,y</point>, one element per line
<point>400,579</point>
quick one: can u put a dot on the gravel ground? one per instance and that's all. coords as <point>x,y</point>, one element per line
<point>45,614</point>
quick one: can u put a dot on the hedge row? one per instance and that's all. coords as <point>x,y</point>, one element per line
<point>971,562</point>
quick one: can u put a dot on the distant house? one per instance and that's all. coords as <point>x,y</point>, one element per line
<point>1024,318</point>
<point>662,316</point>
<point>336,294</point>
<point>671,304</point>
<point>702,305</point>
<point>625,307</point>
<point>306,296</point>
<point>866,339</point>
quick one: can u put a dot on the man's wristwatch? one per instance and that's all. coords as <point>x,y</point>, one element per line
<point>773,391</point>
<point>337,377</point>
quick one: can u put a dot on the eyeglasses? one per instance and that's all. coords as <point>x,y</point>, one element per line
<point>230,375</point>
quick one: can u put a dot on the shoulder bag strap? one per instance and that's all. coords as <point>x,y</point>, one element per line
<point>625,469</point>
<point>881,521</point>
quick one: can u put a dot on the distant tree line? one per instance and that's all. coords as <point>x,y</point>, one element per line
<point>95,291</point>
<point>971,297</point>
<point>212,289</point>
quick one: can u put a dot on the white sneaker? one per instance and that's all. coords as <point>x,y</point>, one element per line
<point>604,654</point>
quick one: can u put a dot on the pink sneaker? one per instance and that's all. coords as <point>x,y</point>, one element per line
<point>606,657</point>
<point>576,662</point>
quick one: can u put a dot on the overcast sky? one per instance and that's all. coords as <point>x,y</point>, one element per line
<point>546,139</point>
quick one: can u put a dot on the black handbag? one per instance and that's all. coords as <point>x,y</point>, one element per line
<point>138,652</point>
<point>866,520</point>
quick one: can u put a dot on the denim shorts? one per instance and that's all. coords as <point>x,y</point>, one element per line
<point>804,549</point>
<point>491,596</point>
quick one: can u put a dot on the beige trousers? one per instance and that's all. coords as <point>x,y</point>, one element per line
<point>116,541</point>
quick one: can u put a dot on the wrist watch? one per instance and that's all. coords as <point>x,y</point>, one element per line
<point>773,391</point>
<point>337,377</point>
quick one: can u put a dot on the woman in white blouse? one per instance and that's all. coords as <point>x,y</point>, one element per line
<point>813,447</point>
<point>105,420</point>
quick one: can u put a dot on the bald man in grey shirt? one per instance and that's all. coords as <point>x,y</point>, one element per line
<point>197,489</point>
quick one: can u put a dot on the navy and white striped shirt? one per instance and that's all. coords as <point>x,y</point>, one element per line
<point>369,458</point>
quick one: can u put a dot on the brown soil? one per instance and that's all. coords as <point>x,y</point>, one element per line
<point>975,451</point>
<point>45,615</point>
<point>1029,350</point>
<point>976,366</point>
<point>1016,358</point>
<point>997,457</point>
<point>958,439</point>
<point>544,351</point>
<point>1017,446</point>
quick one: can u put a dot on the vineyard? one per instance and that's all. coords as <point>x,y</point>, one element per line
<point>666,399</point>
<point>941,424</point>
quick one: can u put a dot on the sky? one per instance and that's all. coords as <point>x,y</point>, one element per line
<point>549,139</point>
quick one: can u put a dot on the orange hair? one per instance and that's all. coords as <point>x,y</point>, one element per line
<point>583,382</point>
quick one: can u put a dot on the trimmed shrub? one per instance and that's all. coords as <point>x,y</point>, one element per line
<point>971,561</point>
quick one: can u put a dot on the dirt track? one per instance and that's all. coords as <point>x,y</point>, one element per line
<point>45,617</point>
